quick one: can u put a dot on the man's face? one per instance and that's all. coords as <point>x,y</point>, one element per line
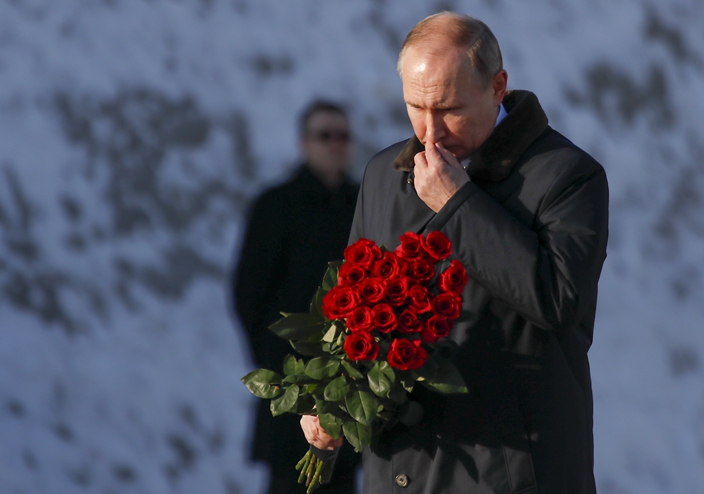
<point>444,102</point>
<point>326,145</point>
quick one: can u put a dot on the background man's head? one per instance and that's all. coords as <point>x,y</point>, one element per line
<point>453,81</point>
<point>324,136</point>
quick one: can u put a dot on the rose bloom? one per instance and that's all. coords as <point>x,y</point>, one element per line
<point>351,274</point>
<point>453,279</point>
<point>397,291</point>
<point>408,322</point>
<point>437,246</point>
<point>360,319</point>
<point>410,248</point>
<point>447,305</point>
<point>420,271</point>
<point>360,345</point>
<point>419,299</point>
<point>363,252</point>
<point>371,290</point>
<point>435,329</point>
<point>389,266</point>
<point>339,302</point>
<point>406,354</point>
<point>384,318</point>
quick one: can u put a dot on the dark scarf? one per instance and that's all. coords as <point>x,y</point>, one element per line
<point>495,158</point>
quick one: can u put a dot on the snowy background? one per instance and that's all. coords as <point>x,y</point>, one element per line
<point>133,133</point>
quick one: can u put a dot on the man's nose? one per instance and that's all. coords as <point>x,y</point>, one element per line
<point>434,128</point>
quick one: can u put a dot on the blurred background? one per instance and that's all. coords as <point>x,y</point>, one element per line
<point>133,133</point>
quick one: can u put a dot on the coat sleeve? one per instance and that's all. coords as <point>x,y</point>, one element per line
<point>357,229</point>
<point>258,274</point>
<point>548,271</point>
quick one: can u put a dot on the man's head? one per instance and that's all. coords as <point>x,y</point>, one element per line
<point>453,81</point>
<point>324,136</point>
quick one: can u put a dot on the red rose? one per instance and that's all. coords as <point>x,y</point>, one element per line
<point>363,252</point>
<point>410,248</point>
<point>350,274</point>
<point>406,354</point>
<point>447,305</point>
<point>453,279</point>
<point>384,318</point>
<point>339,302</point>
<point>420,271</point>
<point>419,299</point>
<point>389,266</point>
<point>397,291</point>
<point>371,290</point>
<point>408,322</point>
<point>435,329</point>
<point>360,319</point>
<point>360,345</point>
<point>437,246</point>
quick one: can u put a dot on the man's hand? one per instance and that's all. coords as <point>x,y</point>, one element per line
<point>437,175</point>
<point>316,435</point>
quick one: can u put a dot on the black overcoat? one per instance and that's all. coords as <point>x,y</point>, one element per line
<point>531,230</point>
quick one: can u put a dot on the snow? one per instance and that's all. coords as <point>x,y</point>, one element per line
<point>133,133</point>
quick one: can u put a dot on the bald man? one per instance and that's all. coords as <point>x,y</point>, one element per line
<point>527,213</point>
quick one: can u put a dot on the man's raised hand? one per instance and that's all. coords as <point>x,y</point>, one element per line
<point>437,175</point>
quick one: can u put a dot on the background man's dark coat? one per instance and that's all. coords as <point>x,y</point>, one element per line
<point>293,231</point>
<point>531,229</point>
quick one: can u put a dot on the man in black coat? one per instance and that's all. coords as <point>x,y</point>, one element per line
<point>293,231</point>
<point>527,214</point>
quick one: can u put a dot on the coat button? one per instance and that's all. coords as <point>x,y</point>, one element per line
<point>402,480</point>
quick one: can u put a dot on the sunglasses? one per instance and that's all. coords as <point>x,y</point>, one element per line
<point>329,136</point>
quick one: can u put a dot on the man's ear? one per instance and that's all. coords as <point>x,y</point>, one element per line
<point>498,84</point>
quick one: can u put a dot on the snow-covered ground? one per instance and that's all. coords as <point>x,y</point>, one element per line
<point>133,132</point>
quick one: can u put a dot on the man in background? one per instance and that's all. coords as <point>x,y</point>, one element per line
<point>293,231</point>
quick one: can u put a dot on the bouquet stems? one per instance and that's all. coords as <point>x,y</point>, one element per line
<point>310,467</point>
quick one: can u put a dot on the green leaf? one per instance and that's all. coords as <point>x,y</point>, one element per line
<point>304,405</point>
<point>286,402</point>
<point>336,389</point>
<point>408,384</point>
<point>307,348</point>
<point>298,379</point>
<point>351,370</point>
<point>359,435</point>
<point>330,407</point>
<point>362,406</point>
<point>331,424</point>
<point>290,364</point>
<point>322,367</point>
<point>263,383</point>
<point>297,327</point>
<point>316,305</point>
<point>427,372</point>
<point>300,367</point>
<point>397,394</point>
<point>331,334</point>
<point>448,379</point>
<point>330,278</point>
<point>381,377</point>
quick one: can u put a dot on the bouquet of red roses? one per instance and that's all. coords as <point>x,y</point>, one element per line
<point>376,326</point>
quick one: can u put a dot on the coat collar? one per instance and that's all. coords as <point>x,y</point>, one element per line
<point>496,157</point>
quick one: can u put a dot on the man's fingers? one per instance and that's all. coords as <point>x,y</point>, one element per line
<point>420,159</point>
<point>447,156</point>
<point>433,156</point>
